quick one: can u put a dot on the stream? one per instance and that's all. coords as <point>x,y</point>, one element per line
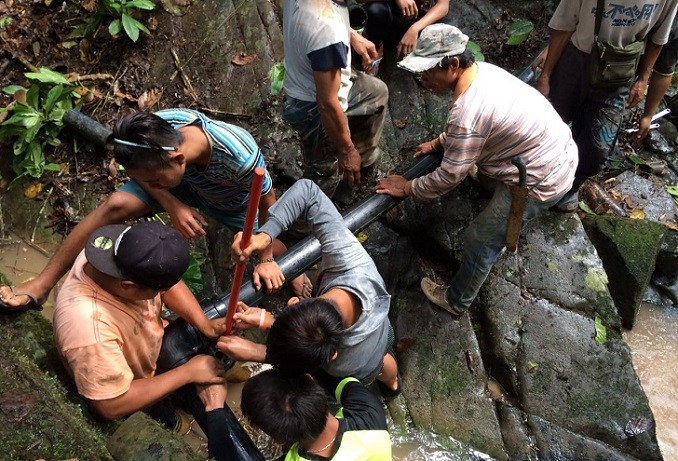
<point>653,343</point>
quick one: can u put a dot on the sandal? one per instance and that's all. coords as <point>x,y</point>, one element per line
<point>32,304</point>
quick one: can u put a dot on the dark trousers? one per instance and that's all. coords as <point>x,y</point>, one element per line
<point>595,113</point>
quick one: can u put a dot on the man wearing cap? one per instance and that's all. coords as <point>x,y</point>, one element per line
<point>338,112</point>
<point>182,162</point>
<point>108,328</point>
<point>493,118</point>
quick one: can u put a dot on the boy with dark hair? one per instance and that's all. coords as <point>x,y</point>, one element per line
<point>348,282</point>
<point>179,160</point>
<point>108,331</point>
<point>316,328</point>
<point>294,409</point>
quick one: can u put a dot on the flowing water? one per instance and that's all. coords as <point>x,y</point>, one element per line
<point>653,343</point>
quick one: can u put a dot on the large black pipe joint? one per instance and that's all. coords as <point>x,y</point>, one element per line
<point>182,341</point>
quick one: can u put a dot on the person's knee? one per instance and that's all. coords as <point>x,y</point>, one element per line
<point>118,208</point>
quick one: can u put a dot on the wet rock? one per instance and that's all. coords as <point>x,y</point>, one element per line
<point>556,442</point>
<point>558,371</point>
<point>652,198</point>
<point>520,444</point>
<point>658,144</point>
<point>141,438</point>
<point>37,420</point>
<point>443,393</point>
<point>628,248</point>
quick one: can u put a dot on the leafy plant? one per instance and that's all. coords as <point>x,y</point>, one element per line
<point>518,31</point>
<point>193,276</point>
<point>122,12</point>
<point>36,120</point>
<point>277,76</point>
<point>474,48</point>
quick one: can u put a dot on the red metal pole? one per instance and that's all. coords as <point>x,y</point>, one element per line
<point>248,228</point>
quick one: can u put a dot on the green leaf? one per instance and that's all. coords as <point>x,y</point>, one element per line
<point>601,331</point>
<point>11,89</point>
<point>474,48</point>
<point>26,120</point>
<point>636,160</point>
<point>52,167</point>
<point>673,190</point>
<point>193,276</point>
<point>52,96</point>
<point>140,5</point>
<point>114,27</point>
<point>518,31</point>
<point>277,75</point>
<point>132,27</point>
<point>47,76</point>
<point>586,208</point>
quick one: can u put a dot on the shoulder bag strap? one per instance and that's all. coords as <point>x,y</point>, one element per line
<point>599,17</point>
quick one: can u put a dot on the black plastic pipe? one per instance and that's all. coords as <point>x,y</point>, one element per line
<point>87,127</point>
<point>182,341</point>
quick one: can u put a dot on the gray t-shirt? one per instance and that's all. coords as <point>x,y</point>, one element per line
<point>345,264</point>
<point>623,21</point>
<point>310,26</point>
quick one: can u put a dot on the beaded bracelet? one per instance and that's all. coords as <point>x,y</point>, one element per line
<point>267,260</point>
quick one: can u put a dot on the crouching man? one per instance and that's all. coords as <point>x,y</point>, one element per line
<point>109,331</point>
<point>345,329</point>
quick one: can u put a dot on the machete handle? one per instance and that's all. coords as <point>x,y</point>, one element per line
<point>522,170</point>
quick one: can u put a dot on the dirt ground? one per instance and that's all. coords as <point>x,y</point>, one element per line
<point>35,34</point>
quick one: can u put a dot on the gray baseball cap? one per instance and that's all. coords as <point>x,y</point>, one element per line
<point>434,43</point>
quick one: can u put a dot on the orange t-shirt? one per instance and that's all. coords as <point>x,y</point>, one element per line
<point>105,341</point>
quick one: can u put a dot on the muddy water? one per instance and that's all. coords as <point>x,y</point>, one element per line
<point>654,348</point>
<point>653,343</point>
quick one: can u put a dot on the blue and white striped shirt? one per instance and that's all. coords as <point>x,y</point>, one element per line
<point>225,182</point>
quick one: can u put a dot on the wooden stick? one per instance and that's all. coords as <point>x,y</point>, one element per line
<point>184,77</point>
<point>248,228</point>
<point>599,200</point>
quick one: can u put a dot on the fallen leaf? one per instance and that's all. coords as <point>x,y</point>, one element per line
<point>362,237</point>
<point>20,96</point>
<point>637,214</point>
<point>33,190</point>
<point>243,59</point>
<point>532,366</point>
<point>149,98</point>
<point>401,122</point>
<point>121,95</point>
<point>152,23</point>
<point>636,426</point>
<point>89,5</point>
<point>84,50</point>
<point>404,344</point>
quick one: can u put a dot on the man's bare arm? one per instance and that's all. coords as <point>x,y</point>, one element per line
<point>334,121</point>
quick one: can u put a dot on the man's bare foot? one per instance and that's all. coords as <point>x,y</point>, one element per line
<point>302,286</point>
<point>19,298</point>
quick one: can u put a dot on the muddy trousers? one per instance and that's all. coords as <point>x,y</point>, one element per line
<point>595,113</point>
<point>484,241</point>
<point>366,113</point>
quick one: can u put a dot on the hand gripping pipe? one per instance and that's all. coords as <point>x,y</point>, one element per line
<point>182,341</point>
